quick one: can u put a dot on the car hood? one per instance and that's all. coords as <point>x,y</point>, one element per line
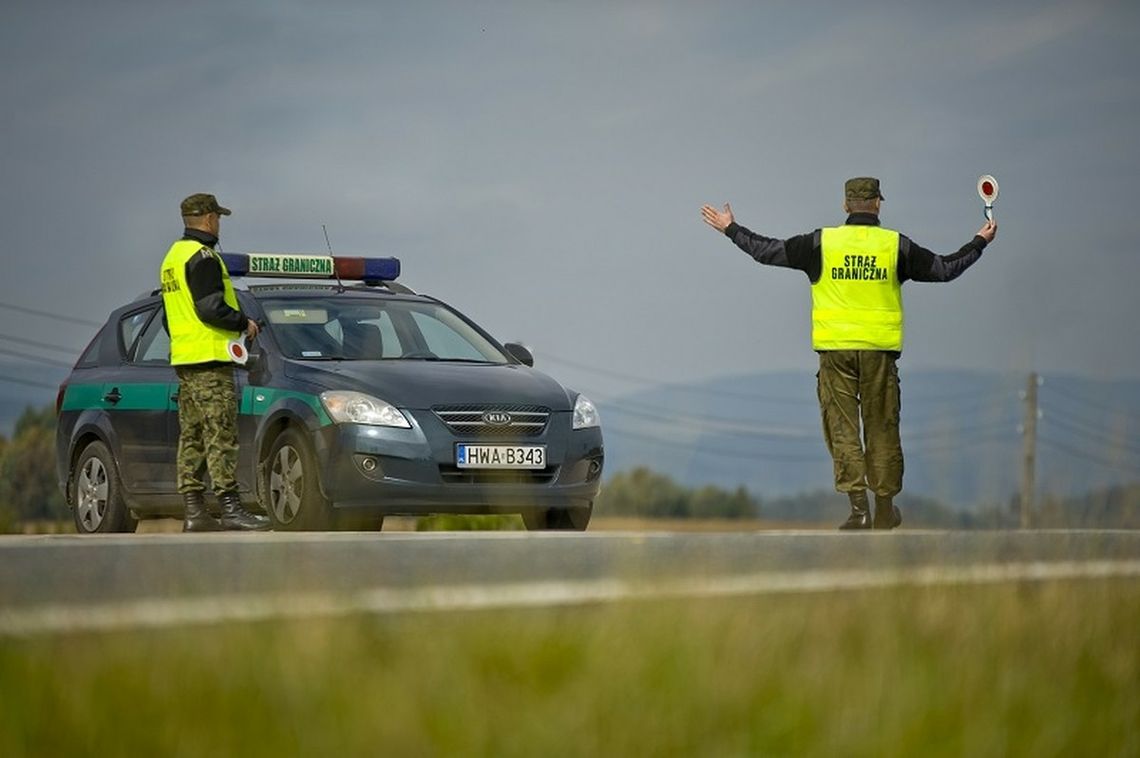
<point>422,384</point>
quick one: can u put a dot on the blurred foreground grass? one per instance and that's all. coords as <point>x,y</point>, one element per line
<point>1027,669</point>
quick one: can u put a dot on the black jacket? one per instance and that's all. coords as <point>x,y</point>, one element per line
<point>204,277</point>
<point>803,252</point>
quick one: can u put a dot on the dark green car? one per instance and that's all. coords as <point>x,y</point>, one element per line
<point>359,400</point>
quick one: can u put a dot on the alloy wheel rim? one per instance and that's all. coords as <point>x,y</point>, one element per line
<point>91,490</point>
<point>286,482</point>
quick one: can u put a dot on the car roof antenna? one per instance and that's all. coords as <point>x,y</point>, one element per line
<point>328,244</point>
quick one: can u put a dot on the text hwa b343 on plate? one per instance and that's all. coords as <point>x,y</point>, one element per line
<point>500,456</point>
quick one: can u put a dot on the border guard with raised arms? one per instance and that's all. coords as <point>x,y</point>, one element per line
<point>856,272</point>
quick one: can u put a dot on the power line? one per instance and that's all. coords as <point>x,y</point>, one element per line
<point>1104,408</point>
<point>1071,417</point>
<point>709,423</point>
<point>736,453</point>
<point>36,358</point>
<point>970,430</point>
<point>933,407</point>
<point>979,398</point>
<point>1063,448</point>
<point>943,397</point>
<point>741,453</point>
<point>1097,437</point>
<point>41,345</point>
<point>926,448</point>
<point>676,387</point>
<point>47,314</point>
<point>28,382</point>
<point>739,427</point>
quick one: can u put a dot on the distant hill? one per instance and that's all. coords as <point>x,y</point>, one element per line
<point>961,434</point>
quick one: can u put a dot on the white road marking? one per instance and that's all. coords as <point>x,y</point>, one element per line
<point>177,612</point>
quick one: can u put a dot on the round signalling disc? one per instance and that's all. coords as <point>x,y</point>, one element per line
<point>987,189</point>
<point>237,351</point>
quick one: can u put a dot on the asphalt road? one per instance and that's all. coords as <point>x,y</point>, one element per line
<point>59,582</point>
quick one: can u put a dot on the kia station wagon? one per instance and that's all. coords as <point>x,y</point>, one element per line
<point>359,399</point>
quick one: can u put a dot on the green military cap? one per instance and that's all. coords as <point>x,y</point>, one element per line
<point>862,188</point>
<point>200,204</point>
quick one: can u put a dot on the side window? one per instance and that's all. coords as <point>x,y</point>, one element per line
<point>129,328</point>
<point>154,345</point>
<point>444,341</point>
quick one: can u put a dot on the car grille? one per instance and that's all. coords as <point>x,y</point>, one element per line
<point>467,421</point>
<point>456,475</point>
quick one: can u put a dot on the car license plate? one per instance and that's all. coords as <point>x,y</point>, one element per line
<point>500,456</point>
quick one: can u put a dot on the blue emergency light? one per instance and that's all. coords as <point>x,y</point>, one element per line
<point>293,266</point>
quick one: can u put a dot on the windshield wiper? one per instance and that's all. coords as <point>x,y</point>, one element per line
<point>473,360</point>
<point>437,359</point>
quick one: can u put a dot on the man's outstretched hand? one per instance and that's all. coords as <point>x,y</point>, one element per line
<point>988,231</point>
<point>718,220</point>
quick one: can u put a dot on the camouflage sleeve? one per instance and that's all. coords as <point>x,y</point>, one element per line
<point>204,277</point>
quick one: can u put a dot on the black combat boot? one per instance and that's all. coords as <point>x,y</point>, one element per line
<point>887,514</point>
<point>860,517</point>
<point>197,519</point>
<point>237,518</point>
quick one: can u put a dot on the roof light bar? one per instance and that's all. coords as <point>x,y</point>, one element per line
<point>312,266</point>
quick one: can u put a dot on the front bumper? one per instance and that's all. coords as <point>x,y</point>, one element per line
<point>412,471</point>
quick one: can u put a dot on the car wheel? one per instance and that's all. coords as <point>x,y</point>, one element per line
<point>96,494</point>
<point>567,519</point>
<point>293,494</point>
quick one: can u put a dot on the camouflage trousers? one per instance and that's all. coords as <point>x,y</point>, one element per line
<point>860,388</point>
<point>207,417</point>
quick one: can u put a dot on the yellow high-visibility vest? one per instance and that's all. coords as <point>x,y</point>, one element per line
<point>191,340</point>
<point>857,302</point>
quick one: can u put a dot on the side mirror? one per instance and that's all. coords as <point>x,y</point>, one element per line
<point>520,353</point>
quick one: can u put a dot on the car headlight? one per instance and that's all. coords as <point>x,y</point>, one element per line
<point>585,414</point>
<point>346,407</point>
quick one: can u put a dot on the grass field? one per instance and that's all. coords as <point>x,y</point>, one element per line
<point>1027,669</point>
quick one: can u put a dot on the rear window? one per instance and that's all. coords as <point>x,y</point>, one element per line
<point>90,356</point>
<point>130,327</point>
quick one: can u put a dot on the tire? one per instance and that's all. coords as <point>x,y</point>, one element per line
<point>293,498</point>
<point>574,519</point>
<point>97,494</point>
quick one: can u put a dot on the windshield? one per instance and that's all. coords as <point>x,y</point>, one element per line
<point>336,328</point>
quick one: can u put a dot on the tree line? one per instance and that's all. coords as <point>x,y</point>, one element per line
<point>28,487</point>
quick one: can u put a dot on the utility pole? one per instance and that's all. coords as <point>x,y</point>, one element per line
<point>1029,461</point>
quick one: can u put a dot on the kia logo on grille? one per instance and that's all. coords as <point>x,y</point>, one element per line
<point>496,418</point>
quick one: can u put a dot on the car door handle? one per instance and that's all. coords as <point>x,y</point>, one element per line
<point>175,396</point>
<point>113,396</point>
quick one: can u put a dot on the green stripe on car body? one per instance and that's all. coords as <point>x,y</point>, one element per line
<point>257,400</point>
<point>79,397</point>
<point>155,396</point>
<point>141,396</point>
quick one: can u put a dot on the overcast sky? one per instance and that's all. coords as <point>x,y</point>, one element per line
<point>541,165</point>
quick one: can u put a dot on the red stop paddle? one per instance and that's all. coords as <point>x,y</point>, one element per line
<point>988,191</point>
